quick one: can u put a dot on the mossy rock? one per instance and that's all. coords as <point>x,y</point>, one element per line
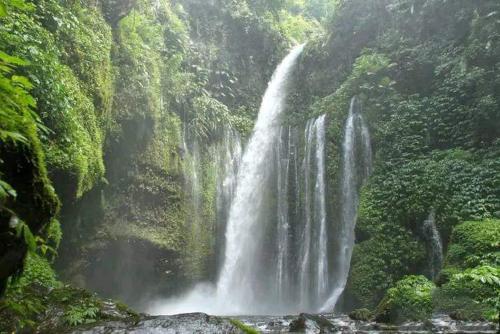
<point>409,299</point>
<point>362,314</point>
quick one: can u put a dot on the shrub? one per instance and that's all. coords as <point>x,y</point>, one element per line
<point>474,242</point>
<point>410,298</point>
<point>471,295</point>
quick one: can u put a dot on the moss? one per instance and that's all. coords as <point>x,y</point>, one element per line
<point>244,328</point>
<point>410,298</point>
<point>38,301</point>
<point>65,95</point>
<point>361,314</point>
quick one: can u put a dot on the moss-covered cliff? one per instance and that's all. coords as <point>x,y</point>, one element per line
<point>119,85</point>
<point>426,75</point>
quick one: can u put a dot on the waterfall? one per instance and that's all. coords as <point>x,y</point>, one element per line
<point>320,209</point>
<point>283,240</point>
<point>305,245</point>
<point>355,130</point>
<point>228,161</point>
<point>274,251</point>
<point>313,260</point>
<point>240,282</point>
<point>434,244</point>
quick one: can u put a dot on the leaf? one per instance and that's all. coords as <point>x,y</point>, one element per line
<point>3,10</point>
<point>6,189</point>
<point>12,60</point>
<point>29,239</point>
<point>23,81</point>
<point>14,136</point>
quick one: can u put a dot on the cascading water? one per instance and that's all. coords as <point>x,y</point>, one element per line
<point>228,162</point>
<point>242,282</point>
<point>275,255</point>
<point>320,209</point>
<point>313,260</point>
<point>283,238</point>
<point>434,244</point>
<point>352,178</point>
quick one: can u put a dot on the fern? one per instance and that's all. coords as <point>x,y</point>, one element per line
<point>81,314</point>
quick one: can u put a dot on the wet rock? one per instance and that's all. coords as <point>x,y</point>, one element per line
<point>311,323</point>
<point>114,10</point>
<point>362,314</point>
<point>175,324</point>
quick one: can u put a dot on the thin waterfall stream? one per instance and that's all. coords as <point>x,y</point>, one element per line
<point>355,130</point>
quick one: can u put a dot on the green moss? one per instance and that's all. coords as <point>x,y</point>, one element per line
<point>410,298</point>
<point>73,148</point>
<point>244,328</point>
<point>38,301</point>
<point>362,314</point>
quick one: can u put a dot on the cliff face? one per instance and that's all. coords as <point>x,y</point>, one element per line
<point>430,101</point>
<point>120,84</point>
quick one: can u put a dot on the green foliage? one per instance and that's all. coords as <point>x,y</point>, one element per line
<point>208,116</point>
<point>472,294</point>
<point>37,270</point>
<point>37,297</point>
<point>470,282</point>
<point>474,243</point>
<point>19,304</point>
<point>430,102</point>
<point>410,298</point>
<point>16,110</point>
<point>81,314</point>
<point>378,263</point>
<point>74,145</point>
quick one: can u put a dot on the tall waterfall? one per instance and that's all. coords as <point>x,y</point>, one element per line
<point>228,162</point>
<point>242,280</point>
<point>353,175</point>
<point>283,239</point>
<point>313,260</point>
<point>280,253</point>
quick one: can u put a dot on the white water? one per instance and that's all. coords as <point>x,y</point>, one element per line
<point>313,260</point>
<point>351,182</point>
<point>228,162</point>
<point>240,281</point>
<point>320,209</point>
<point>275,257</point>
<point>244,285</point>
<point>283,229</point>
<point>434,244</point>
<point>305,249</point>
